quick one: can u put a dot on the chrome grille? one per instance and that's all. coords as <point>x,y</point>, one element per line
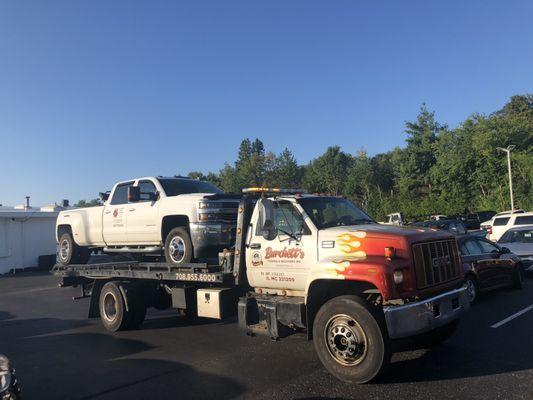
<point>436,262</point>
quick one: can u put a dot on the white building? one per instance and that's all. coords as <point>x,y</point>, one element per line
<point>25,234</point>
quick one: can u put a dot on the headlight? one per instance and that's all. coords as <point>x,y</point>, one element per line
<point>398,276</point>
<point>5,373</point>
<point>205,204</point>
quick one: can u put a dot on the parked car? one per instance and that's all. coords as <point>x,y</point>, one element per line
<point>9,388</point>
<point>502,224</point>
<point>474,220</point>
<point>520,241</point>
<point>488,266</point>
<point>394,219</point>
<point>451,225</point>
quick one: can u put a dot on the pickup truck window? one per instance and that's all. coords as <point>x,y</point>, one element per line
<point>175,187</point>
<point>326,212</point>
<point>147,189</point>
<point>121,194</point>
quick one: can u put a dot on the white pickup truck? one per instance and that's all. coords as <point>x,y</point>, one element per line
<point>182,218</point>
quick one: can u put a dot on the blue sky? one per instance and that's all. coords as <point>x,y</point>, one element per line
<point>98,91</point>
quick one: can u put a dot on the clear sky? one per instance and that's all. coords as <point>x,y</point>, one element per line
<point>97,91</point>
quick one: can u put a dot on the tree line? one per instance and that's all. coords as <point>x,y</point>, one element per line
<point>440,170</point>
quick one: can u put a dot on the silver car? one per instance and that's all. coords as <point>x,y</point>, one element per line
<point>520,241</point>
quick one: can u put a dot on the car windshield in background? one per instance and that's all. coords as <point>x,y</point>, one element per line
<point>175,187</point>
<point>326,212</point>
<point>517,236</point>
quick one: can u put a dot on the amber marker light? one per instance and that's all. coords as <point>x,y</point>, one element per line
<point>390,252</point>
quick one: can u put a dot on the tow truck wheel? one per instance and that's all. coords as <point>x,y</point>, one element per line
<point>68,252</point>
<point>178,247</point>
<point>113,312</point>
<point>351,339</point>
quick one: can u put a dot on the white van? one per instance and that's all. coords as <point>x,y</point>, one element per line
<point>500,224</point>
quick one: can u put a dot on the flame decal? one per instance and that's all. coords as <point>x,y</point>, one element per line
<point>349,243</point>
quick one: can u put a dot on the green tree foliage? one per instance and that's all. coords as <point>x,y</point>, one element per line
<point>90,203</point>
<point>440,170</point>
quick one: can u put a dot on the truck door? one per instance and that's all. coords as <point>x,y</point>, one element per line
<point>282,258</point>
<point>115,216</point>
<point>142,227</point>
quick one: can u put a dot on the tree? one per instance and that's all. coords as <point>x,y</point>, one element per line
<point>328,172</point>
<point>90,203</point>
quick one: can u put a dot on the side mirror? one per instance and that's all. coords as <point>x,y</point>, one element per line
<point>134,194</point>
<point>266,214</point>
<point>104,196</point>
<point>149,196</point>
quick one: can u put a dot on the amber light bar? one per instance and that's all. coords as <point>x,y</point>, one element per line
<point>272,190</point>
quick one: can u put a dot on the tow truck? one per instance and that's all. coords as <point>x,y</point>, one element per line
<point>301,263</point>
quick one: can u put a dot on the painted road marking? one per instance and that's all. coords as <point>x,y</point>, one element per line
<point>511,317</point>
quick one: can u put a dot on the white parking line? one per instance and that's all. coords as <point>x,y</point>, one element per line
<point>511,317</point>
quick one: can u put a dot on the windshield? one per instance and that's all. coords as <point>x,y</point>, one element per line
<point>326,212</point>
<point>175,187</point>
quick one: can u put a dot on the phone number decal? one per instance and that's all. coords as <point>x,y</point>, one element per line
<point>189,276</point>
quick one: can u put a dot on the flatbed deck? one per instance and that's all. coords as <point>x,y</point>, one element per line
<point>194,272</point>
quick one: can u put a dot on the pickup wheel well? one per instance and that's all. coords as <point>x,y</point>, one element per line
<point>323,290</point>
<point>62,229</point>
<point>173,221</point>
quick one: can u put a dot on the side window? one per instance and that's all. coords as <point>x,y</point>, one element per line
<point>472,248</point>
<point>120,196</point>
<point>288,219</point>
<point>500,221</point>
<point>464,250</point>
<point>524,220</point>
<point>148,190</point>
<point>487,247</point>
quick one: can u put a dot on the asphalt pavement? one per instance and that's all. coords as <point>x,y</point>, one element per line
<point>59,354</point>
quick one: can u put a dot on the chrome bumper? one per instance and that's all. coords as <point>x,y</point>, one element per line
<point>425,315</point>
<point>210,238</point>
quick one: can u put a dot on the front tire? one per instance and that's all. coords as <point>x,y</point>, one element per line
<point>351,339</point>
<point>518,277</point>
<point>68,252</point>
<point>178,247</point>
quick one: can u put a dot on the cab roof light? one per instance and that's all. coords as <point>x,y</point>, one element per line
<point>390,252</point>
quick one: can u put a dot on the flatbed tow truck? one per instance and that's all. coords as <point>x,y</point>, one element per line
<point>301,263</point>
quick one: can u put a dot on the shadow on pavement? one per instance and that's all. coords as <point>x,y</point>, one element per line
<point>86,365</point>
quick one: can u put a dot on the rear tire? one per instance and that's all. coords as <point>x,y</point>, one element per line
<point>68,252</point>
<point>351,339</point>
<point>113,313</point>
<point>471,288</point>
<point>178,247</point>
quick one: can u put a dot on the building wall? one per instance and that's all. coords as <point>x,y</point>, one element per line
<point>23,240</point>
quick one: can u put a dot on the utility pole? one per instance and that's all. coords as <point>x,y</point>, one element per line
<point>508,151</point>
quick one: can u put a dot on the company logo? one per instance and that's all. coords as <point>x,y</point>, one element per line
<point>285,253</point>
<point>256,259</point>
<point>115,212</point>
<point>441,262</point>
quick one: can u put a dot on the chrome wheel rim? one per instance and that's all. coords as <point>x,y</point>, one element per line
<point>64,248</point>
<point>471,290</point>
<point>177,249</point>
<point>110,307</point>
<point>346,340</point>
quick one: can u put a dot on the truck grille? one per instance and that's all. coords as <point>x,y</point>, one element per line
<point>436,262</point>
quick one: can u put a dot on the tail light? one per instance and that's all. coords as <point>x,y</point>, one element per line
<point>489,230</point>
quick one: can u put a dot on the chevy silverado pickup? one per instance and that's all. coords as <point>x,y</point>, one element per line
<point>182,218</point>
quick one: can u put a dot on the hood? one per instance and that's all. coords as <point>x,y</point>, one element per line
<point>360,242</point>
<point>520,249</point>
<point>412,233</point>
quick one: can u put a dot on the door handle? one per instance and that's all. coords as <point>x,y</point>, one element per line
<point>255,246</point>
<point>132,209</point>
<point>107,212</point>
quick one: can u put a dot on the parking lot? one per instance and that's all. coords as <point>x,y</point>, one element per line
<point>60,354</point>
